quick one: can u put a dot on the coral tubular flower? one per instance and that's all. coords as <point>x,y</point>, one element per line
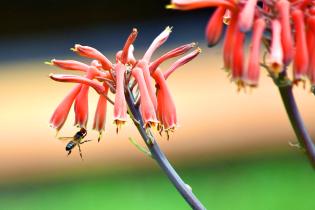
<point>120,106</point>
<point>166,107</point>
<point>91,52</point>
<point>283,7</point>
<point>238,59</point>
<point>81,108</point>
<point>147,77</point>
<point>253,66</point>
<point>301,60</point>
<point>228,44</point>
<point>100,113</point>
<point>276,55</point>
<point>196,4</point>
<point>311,48</point>
<point>215,26</point>
<point>61,112</point>
<point>146,106</point>
<point>246,16</point>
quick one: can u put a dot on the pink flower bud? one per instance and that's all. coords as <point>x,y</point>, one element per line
<point>283,7</point>
<point>125,52</point>
<point>146,106</point>
<point>246,16</point>
<point>214,27</point>
<point>61,112</point>
<point>253,66</point>
<point>276,56</point>
<point>171,54</point>
<point>180,62</point>
<point>91,52</point>
<point>70,65</point>
<point>157,42</point>
<point>301,59</point>
<point>78,79</point>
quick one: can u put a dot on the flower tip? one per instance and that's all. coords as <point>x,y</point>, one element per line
<point>170,6</point>
<point>73,49</point>
<point>169,29</point>
<point>212,45</point>
<point>49,63</point>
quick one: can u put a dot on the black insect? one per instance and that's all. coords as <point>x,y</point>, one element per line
<point>76,140</point>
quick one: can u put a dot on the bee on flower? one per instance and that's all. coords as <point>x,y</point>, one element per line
<point>143,78</point>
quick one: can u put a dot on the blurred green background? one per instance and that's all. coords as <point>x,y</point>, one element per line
<point>231,148</point>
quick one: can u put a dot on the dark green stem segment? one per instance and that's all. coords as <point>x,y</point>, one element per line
<point>160,158</point>
<point>297,122</point>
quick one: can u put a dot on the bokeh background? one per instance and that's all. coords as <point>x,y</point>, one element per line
<point>231,148</point>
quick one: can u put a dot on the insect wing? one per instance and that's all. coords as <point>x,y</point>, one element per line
<point>65,138</point>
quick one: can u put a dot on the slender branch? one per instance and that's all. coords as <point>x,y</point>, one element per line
<point>297,123</point>
<point>160,158</point>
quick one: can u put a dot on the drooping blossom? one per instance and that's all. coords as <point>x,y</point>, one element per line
<point>126,75</point>
<point>283,7</point>
<point>301,61</point>
<point>287,36</point>
<point>253,62</point>
<point>100,113</point>
<point>215,27</point>
<point>246,16</point>
<point>276,53</point>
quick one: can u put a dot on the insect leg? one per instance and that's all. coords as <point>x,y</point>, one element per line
<point>80,151</point>
<point>85,141</point>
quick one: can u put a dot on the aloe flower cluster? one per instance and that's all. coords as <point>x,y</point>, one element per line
<point>285,27</point>
<point>142,77</point>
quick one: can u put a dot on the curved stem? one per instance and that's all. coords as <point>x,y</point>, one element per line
<point>160,158</point>
<point>297,122</point>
